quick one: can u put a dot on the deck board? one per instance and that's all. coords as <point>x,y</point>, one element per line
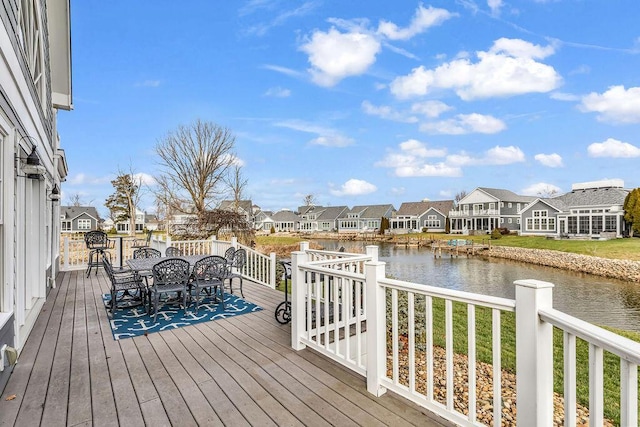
<point>235,371</point>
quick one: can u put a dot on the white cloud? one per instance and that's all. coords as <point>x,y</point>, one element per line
<point>387,112</point>
<point>144,178</point>
<point>616,105</point>
<point>430,109</point>
<point>613,148</point>
<point>327,137</point>
<point>550,160</point>
<point>397,191</point>
<point>465,124</point>
<point>495,6</point>
<point>278,92</point>
<point>354,187</point>
<point>495,156</point>
<point>423,19</point>
<point>283,70</point>
<point>509,68</point>
<point>541,189</point>
<point>332,141</point>
<point>334,55</point>
<point>412,160</point>
<point>562,96</point>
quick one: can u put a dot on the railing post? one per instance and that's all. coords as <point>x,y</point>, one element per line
<point>372,251</point>
<point>234,242</point>
<point>534,354</point>
<point>298,291</point>
<point>375,311</point>
<point>66,252</point>
<point>272,270</point>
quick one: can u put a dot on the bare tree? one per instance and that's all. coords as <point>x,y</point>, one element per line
<point>194,160</point>
<point>75,200</point>
<point>236,183</point>
<point>309,200</point>
<point>459,196</point>
<point>547,192</point>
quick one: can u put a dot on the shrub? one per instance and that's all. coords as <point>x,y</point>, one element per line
<point>496,234</point>
<point>273,229</point>
<point>504,230</point>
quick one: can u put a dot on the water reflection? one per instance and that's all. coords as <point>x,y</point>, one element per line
<point>595,299</point>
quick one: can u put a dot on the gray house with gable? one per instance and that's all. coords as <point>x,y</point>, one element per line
<point>590,209</point>
<point>361,219</point>
<point>416,216</point>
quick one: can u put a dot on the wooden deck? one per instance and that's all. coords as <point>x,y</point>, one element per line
<point>238,371</point>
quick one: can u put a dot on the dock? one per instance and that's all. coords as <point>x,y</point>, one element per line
<point>457,247</point>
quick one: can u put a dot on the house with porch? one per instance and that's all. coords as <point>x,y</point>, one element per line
<point>364,219</point>
<point>285,220</point>
<point>263,220</point>
<point>78,219</point>
<point>416,216</point>
<point>589,210</point>
<point>484,209</point>
<point>319,218</point>
<point>35,83</point>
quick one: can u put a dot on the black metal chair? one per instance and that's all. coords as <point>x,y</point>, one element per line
<point>209,274</point>
<point>169,276</point>
<point>172,251</point>
<point>97,243</point>
<point>235,267</point>
<point>122,281</point>
<point>143,243</point>
<point>146,253</point>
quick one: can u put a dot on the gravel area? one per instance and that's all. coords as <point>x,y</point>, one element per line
<point>615,268</point>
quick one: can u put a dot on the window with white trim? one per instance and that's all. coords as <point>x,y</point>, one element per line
<point>84,224</point>
<point>31,41</point>
<point>510,205</point>
<point>540,221</point>
<point>432,221</point>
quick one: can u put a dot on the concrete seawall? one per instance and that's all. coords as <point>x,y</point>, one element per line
<point>613,268</point>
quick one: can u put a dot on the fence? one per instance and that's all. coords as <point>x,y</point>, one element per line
<point>408,338</point>
<point>259,268</point>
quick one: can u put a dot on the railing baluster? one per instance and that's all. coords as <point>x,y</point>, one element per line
<point>412,342</point>
<point>497,368</point>
<point>569,344</point>
<point>394,334</point>
<point>336,316</point>
<point>628,393</point>
<point>428,320</point>
<point>596,400</point>
<point>449,351</point>
<point>471,369</point>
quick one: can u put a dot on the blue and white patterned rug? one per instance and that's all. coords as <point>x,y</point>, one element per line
<point>133,321</point>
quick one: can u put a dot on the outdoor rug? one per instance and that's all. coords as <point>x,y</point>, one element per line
<point>133,321</point>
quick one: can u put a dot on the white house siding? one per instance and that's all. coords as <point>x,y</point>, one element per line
<point>29,219</point>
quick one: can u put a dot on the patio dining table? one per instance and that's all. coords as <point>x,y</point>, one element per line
<point>146,264</point>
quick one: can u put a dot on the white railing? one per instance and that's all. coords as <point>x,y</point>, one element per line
<point>479,212</point>
<point>259,268</point>
<point>400,335</point>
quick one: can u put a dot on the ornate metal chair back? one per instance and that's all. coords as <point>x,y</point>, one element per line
<point>171,272</point>
<point>173,251</point>
<point>146,253</point>
<point>240,259</point>
<point>96,239</point>
<point>210,268</point>
<point>228,255</point>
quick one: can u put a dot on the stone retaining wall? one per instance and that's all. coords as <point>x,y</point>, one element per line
<point>614,268</point>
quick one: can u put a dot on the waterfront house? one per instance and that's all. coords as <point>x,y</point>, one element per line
<point>35,83</point>
<point>416,216</point>
<point>285,220</point>
<point>78,219</point>
<point>122,227</point>
<point>484,209</point>
<point>589,210</point>
<point>319,218</point>
<point>263,221</point>
<point>364,219</point>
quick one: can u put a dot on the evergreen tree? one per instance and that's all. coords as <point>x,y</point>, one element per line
<point>632,210</point>
<point>122,203</point>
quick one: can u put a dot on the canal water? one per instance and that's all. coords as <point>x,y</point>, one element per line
<point>598,300</point>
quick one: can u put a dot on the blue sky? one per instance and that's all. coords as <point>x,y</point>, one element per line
<point>360,102</point>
